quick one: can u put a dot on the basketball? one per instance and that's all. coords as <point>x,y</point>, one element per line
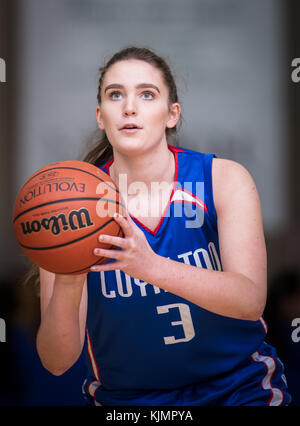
<point>60,212</point>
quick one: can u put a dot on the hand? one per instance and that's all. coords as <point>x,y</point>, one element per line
<point>135,257</point>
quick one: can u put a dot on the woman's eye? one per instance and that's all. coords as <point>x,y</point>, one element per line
<point>148,95</point>
<point>115,95</point>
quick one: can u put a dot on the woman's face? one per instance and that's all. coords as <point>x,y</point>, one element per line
<point>134,94</point>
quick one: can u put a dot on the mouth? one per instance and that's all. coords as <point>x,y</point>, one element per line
<point>130,128</point>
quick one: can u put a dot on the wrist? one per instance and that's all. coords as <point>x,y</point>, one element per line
<point>70,279</point>
<point>69,286</point>
<point>152,273</point>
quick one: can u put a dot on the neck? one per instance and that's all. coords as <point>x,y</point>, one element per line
<point>156,166</point>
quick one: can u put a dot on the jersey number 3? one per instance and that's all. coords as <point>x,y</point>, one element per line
<point>185,321</point>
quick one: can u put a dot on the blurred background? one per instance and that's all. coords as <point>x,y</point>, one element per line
<point>232,61</point>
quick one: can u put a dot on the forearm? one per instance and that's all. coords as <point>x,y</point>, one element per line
<point>229,294</point>
<point>224,293</point>
<point>58,338</point>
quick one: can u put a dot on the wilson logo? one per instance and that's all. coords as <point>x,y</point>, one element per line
<point>76,219</point>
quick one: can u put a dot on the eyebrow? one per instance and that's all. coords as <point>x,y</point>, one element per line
<point>139,86</point>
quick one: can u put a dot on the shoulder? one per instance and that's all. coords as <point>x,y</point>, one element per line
<point>228,168</point>
<point>231,178</point>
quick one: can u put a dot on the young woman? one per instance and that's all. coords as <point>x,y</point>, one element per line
<point>175,316</point>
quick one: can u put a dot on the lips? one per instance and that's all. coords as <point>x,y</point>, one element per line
<point>130,126</point>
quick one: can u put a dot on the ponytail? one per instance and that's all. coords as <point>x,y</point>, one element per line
<point>100,150</point>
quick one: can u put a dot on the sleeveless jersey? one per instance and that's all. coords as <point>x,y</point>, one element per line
<point>147,346</point>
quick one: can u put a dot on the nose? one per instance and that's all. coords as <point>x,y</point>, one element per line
<point>129,107</point>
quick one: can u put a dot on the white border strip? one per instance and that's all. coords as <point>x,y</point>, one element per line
<point>266,383</point>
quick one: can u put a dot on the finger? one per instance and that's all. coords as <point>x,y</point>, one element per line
<point>125,224</point>
<point>127,216</point>
<point>111,266</point>
<point>116,241</point>
<point>111,254</point>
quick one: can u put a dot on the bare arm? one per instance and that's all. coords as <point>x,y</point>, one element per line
<point>239,291</point>
<point>60,337</point>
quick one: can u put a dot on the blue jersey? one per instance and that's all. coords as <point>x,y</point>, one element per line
<point>147,346</point>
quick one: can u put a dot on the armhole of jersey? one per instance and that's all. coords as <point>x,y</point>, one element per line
<point>209,179</point>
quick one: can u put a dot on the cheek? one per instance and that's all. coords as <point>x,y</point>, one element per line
<point>107,116</point>
<point>159,116</point>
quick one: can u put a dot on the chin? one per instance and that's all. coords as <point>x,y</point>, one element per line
<point>129,146</point>
<point>134,145</point>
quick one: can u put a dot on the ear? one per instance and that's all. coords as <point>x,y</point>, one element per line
<point>174,114</point>
<point>99,118</point>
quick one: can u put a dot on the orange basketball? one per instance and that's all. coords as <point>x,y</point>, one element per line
<point>60,212</point>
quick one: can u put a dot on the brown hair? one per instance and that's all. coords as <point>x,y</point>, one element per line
<point>101,150</point>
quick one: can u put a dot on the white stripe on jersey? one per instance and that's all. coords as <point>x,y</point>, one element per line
<point>181,195</point>
<point>264,324</point>
<point>92,387</point>
<point>266,383</point>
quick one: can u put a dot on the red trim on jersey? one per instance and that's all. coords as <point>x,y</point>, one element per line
<point>175,149</point>
<point>108,165</point>
<point>175,152</point>
<point>92,357</point>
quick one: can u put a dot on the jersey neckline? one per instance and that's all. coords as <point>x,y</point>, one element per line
<point>175,151</point>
